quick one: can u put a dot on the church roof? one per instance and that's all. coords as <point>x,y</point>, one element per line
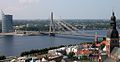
<point>113,16</point>
<point>111,33</point>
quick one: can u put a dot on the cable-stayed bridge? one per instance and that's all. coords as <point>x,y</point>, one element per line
<point>63,28</point>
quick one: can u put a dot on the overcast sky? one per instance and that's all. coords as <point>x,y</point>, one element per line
<point>66,9</point>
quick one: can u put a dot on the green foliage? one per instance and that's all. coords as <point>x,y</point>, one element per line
<point>87,42</point>
<point>102,46</point>
<point>37,51</point>
<point>84,57</point>
<point>2,57</point>
<point>71,54</point>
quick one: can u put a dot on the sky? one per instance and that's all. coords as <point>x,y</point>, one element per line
<point>65,9</point>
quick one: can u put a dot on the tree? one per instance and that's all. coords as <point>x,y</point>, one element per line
<point>2,57</point>
<point>71,54</point>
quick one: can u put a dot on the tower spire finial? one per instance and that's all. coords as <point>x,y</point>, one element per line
<point>113,13</point>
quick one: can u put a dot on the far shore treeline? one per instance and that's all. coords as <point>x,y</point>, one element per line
<point>43,25</point>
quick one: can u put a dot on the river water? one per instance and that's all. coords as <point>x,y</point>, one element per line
<point>14,45</point>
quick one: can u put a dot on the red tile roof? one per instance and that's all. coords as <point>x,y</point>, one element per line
<point>83,52</point>
<point>103,42</point>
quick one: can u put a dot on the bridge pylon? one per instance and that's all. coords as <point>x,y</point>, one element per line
<point>52,26</point>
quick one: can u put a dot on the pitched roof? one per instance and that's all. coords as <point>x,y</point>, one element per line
<point>83,52</point>
<point>103,42</point>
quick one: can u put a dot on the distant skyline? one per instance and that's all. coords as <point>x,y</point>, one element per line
<point>65,9</point>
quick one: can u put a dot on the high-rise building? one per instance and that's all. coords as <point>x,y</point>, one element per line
<point>113,33</point>
<point>7,23</point>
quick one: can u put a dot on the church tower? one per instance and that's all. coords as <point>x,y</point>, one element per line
<point>113,34</point>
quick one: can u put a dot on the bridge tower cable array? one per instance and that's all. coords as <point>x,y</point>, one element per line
<point>58,26</point>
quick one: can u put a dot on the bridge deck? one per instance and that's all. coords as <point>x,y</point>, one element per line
<point>36,34</point>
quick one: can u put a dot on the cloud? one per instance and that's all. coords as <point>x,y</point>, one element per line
<point>28,1</point>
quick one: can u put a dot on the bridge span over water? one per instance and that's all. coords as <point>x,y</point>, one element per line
<point>36,33</point>
<point>56,27</point>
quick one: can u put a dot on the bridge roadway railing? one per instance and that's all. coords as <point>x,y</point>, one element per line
<point>12,33</point>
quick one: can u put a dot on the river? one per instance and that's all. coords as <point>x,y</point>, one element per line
<point>14,45</point>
